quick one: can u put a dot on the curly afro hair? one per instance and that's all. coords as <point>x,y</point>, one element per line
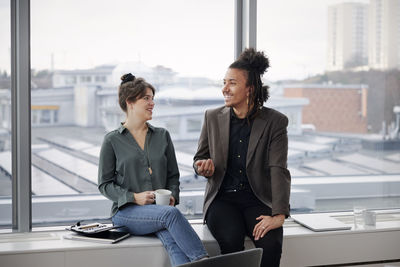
<point>255,63</point>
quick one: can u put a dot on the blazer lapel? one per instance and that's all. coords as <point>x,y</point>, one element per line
<point>256,132</point>
<point>223,123</point>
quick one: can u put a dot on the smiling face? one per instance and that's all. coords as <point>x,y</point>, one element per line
<point>235,90</point>
<point>142,108</point>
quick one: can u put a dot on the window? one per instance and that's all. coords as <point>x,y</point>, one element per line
<point>44,115</point>
<point>180,52</point>
<point>101,79</point>
<point>344,145</point>
<point>5,115</point>
<point>74,102</point>
<point>85,79</point>
<point>70,80</point>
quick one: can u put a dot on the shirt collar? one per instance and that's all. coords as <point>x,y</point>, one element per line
<point>233,115</point>
<point>122,128</point>
<point>151,127</point>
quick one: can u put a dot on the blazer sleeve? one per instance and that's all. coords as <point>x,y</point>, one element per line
<point>280,175</point>
<point>203,151</point>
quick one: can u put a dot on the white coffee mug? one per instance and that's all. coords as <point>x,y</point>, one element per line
<point>162,196</point>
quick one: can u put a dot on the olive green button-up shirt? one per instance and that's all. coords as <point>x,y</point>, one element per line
<point>124,166</point>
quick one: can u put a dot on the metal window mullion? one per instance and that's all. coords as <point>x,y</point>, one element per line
<point>238,32</point>
<point>21,117</point>
<point>245,25</point>
<point>252,23</point>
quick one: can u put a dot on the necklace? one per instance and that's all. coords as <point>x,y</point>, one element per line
<point>146,145</point>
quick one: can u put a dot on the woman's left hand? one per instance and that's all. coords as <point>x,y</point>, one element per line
<point>172,201</point>
<point>266,224</point>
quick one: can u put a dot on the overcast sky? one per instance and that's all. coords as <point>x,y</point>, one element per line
<point>193,37</point>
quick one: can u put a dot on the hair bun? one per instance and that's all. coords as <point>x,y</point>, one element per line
<point>127,78</point>
<point>254,61</point>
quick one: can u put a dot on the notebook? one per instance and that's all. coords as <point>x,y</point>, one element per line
<point>91,228</point>
<point>320,222</point>
<point>106,237</point>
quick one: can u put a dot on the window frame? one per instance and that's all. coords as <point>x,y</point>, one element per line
<point>21,116</point>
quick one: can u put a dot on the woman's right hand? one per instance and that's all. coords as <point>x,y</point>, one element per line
<point>144,198</point>
<point>205,167</point>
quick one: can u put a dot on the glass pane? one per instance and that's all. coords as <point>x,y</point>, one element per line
<point>5,115</point>
<point>78,56</point>
<point>335,74</point>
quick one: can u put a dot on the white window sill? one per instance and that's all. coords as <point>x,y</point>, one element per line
<point>301,246</point>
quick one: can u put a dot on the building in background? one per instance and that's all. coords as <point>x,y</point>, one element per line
<point>384,34</point>
<point>333,108</point>
<point>109,75</point>
<point>101,75</point>
<point>347,44</point>
<point>88,98</point>
<point>364,35</point>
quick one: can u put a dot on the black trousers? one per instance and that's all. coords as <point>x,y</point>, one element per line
<point>232,216</point>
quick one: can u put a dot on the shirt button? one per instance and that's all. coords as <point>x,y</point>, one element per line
<point>240,141</point>
<point>238,156</point>
<point>240,171</point>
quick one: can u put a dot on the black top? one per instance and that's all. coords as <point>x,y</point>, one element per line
<point>239,136</point>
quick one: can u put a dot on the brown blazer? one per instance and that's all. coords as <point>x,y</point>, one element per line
<point>266,162</point>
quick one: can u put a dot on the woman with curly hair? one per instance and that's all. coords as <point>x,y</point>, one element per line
<point>136,159</point>
<point>242,151</point>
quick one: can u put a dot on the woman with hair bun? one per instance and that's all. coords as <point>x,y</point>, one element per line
<point>242,151</point>
<point>136,159</point>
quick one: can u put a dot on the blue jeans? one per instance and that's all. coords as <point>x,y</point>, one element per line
<point>171,227</point>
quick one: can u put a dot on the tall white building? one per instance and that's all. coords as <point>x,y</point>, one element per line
<point>347,44</point>
<point>384,34</point>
